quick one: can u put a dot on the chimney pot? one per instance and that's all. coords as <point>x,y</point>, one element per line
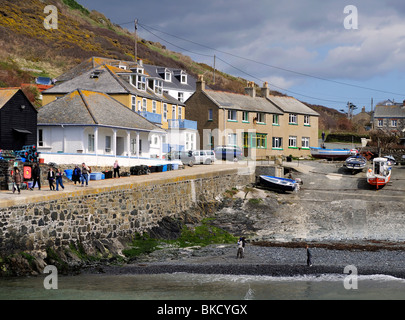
<point>200,84</point>
<point>250,90</point>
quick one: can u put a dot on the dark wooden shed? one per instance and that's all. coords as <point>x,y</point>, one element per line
<point>18,120</point>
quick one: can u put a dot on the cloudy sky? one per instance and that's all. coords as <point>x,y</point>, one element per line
<point>304,48</point>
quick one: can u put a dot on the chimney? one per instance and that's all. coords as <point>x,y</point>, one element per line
<point>200,84</point>
<point>250,90</point>
<point>265,90</point>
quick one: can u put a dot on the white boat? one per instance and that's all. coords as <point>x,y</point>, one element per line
<point>356,162</point>
<point>380,174</point>
<point>335,154</point>
<point>279,184</point>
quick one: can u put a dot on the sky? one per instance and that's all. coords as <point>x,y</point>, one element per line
<point>321,52</point>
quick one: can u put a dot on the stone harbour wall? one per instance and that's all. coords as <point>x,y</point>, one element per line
<point>108,212</point>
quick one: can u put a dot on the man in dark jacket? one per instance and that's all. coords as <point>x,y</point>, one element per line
<point>309,256</point>
<point>36,177</point>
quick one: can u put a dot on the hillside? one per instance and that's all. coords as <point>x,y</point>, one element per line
<point>28,50</point>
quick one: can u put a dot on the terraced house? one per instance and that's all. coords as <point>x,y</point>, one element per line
<point>262,125</point>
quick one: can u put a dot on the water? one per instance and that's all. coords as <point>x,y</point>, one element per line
<point>184,286</point>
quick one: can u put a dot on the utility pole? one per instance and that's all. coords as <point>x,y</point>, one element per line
<point>136,41</point>
<point>214,67</point>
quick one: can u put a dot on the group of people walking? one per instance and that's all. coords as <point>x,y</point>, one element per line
<point>80,175</point>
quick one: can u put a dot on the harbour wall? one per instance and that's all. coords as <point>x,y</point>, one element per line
<point>109,212</point>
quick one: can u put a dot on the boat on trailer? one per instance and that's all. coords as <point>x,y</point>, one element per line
<point>356,162</point>
<point>380,174</point>
<point>334,154</point>
<point>277,184</point>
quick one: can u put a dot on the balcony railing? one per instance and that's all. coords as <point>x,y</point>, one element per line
<point>152,117</point>
<point>182,124</point>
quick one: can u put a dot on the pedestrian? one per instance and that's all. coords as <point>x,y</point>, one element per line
<point>116,169</point>
<point>85,174</point>
<point>309,257</point>
<point>51,179</point>
<point>240,244</point>
<point>36,177</point>
<point>59,180</point>
<point>77,174</point>
<point>17,180</point>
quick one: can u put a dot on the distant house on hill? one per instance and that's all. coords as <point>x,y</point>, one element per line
<point>93,125</point>
<point>389,116</point>
<point>18,120</point>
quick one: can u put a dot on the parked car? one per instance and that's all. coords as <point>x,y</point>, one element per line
<point>204,156</point>
<point>230,153</point>
<point>186,157</point>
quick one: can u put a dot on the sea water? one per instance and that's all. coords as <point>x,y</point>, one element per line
<point>185,286</point>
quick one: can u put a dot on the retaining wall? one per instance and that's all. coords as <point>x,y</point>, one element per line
<point>112,212</point>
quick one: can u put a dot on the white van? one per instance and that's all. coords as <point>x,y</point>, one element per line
<point>204,156</point>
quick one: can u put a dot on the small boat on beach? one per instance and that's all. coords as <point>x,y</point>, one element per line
<point>334,154</point>
<point>380,174</point>
<point>277,184</point>
<point>356,162</point>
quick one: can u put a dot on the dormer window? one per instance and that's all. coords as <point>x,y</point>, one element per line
<point>158,87</point>
<point>168,76</point>
<point>141,82</point>
<point>95,74</point>
<point>183,79</point>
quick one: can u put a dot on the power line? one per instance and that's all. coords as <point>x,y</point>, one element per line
<point>276,67</point>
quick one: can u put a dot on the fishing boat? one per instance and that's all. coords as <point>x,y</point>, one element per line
<point>380,174</point>
<point>356,162</point>
<point>334,154</point>
<point>278,184</point>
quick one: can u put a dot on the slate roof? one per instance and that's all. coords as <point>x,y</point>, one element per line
<point>175,83</point>
<point>292,105</point>
<point>107,81</point>
<point>84,107</point>
<point>241,102</point>
<point>390,111</point>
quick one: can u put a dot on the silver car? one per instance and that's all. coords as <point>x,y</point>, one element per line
<point>204,156</point>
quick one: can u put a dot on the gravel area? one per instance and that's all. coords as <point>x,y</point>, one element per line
<point>259,260</point>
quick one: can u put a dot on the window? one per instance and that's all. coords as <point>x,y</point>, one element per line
<point>261,140</point>
<point>165,112</point>
<point>292,142</point>
<point>277,143</point>
<point>232,115</point>
<point>158,87</point>
<point>180,96</point>
<point>154,108</point>
<point>393,123</point>
<point>210,114</point>
<point>173,112</point>
<point>180,113</point>
<point>144,105</point>
<point>261,117</point>
<point>133,146</point>
<point>246,143</point>
<point>139,106</point>
<point>306,121</point>
<point>141,83</point>
<point>380,122</point>
<point>292,118</point>
<point>245,116</point>
<point>91,142</point>
<point>133,103</point>
<point>183,79</point>
<point>275,120</point>
<point>168,76</point>
<point>232,139</point>
<point>305,142</point>
<point>108,144</point>
<point>40,138</point>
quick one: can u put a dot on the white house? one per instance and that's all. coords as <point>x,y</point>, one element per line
<point>92,127</point>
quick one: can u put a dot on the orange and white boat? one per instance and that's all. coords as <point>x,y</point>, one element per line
<point>380,174</point>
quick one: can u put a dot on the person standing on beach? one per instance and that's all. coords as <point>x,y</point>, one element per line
<point>309,257</point>
<point>239,253</point>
